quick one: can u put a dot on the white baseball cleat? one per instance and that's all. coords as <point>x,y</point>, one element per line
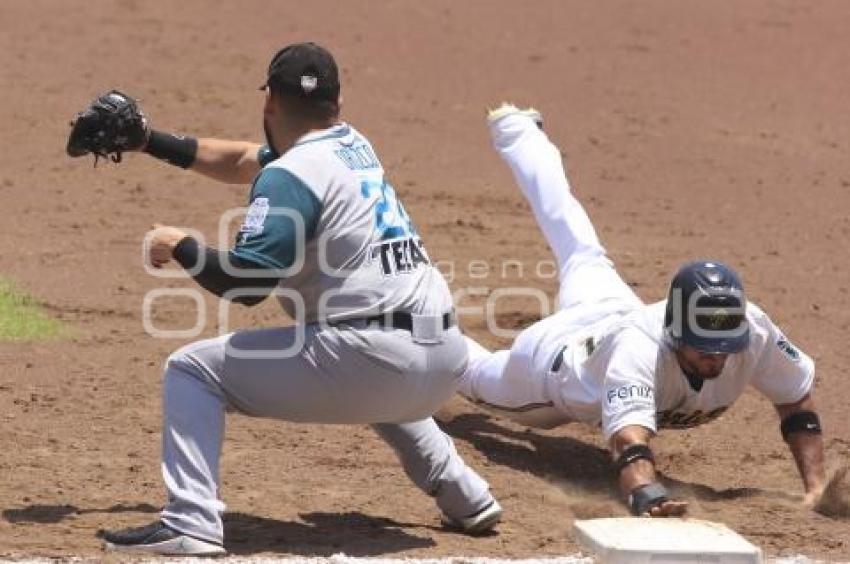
<point>479,523</point>
<point>508,109</point>
<point>159,538</point>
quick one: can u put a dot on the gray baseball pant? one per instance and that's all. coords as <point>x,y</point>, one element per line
<point>345,374</point>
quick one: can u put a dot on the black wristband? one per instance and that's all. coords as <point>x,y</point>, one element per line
<point>800,421</point>
<point>173,149</point>
<point>187,252</point>
<point>643,498</point>
<point>633,453</point>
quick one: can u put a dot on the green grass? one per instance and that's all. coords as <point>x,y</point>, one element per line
<point>21,319</point>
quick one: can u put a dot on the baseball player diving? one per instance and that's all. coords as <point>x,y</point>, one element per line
<point>326,234</point>
<point>607,359</point>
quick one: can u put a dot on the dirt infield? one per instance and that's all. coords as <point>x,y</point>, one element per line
<point>690,129</point>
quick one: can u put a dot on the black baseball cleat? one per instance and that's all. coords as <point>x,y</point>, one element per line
<point>158,538</point>
<point>479,523</point>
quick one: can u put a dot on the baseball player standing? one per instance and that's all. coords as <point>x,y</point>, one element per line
<point>605,358</point>
<point>326,234</point>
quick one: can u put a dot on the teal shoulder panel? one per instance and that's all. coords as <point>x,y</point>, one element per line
<point>272,232</point>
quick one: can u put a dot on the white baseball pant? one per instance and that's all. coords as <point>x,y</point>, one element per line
<point>515,382</point>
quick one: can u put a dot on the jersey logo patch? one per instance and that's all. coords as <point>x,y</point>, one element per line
<point>633,393</point>
<point>790,350</point>
<point>256,217</point>
<point>309,83</point>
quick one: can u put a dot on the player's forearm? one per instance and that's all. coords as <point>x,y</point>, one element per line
<point>639,472</point>
<point>233,162</point>
<point>236,284</point>
<point>807,449</point>
<point>645,495</point>
<point>801,430</point>
<point>636,466</point>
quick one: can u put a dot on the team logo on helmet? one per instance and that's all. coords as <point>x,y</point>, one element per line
<point>719,319</point>
<point>309,83</point>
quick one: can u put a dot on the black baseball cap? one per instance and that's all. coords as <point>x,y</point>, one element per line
<point>306,70</point>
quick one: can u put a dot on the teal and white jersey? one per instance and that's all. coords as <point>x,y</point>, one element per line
<point>326,220</point>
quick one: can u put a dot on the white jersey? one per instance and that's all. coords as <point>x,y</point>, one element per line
<point>620,370</point>
<point>602,358</point>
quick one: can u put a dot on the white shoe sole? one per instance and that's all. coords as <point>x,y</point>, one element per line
<point>507,109</point>
<point>179,546</point>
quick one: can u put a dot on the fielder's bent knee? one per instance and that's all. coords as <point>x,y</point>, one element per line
<point>178,358</point>
<point>202,359</point>
<point>183,358</point>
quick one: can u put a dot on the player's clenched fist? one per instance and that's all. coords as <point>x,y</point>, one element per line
<point>160,243</point>
<point>667,508</point>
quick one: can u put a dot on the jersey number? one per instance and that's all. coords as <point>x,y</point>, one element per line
<point>392,221</point>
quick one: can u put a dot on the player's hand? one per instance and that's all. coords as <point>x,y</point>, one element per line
<point>833,500</point>
<point>811,498</point>
<point>161,241</point>
<point>668,508</point>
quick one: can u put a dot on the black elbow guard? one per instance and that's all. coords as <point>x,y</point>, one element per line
<point>800,421</point>
<point>633,453</point>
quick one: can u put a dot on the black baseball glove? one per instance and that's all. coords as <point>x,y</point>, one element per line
<point>111,124</point>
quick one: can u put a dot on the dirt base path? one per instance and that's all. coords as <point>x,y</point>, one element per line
<point>691,129</point>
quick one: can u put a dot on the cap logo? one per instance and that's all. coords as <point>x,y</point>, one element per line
<point>309,83</point>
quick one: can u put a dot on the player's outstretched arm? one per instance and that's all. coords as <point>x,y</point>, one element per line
<point>114,123</point>
<point>233,162</point>
<point>638,481</point>
<point>801,430</point>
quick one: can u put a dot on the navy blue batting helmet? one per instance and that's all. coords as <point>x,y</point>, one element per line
<point>706,309</point>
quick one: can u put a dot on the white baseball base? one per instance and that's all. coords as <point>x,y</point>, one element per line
<point>635,540</point>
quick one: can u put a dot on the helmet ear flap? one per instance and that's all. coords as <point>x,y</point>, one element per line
<point>673,316</point>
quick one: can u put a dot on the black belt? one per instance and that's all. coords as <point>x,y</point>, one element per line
<point>399,320</point>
